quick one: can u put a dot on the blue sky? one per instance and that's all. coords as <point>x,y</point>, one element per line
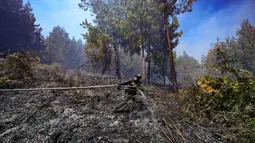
<point>65,13</point>
<point>208,20</point>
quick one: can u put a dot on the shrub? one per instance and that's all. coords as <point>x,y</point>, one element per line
<point>17,70</point>
<point>224,103</point>
<point>45,72</point>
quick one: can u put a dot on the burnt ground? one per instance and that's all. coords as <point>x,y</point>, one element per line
<point>87,116</point>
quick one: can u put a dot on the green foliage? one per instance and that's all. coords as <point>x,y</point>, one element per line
<point>139,27</point>
<point>17,70</point>
<point>98,47</point>
<point>160,54</point>
<point>76,56</point>
<point>222,103</point>
<point>176,7</point>
<point>21,70</point>
<point>44,72</point>
<point>225,99</point>
<point>170,9</point>
<point>63,50</point>
<point>55,73</point>
<point>58,44</point>
<point>108,17</point>
<point>18,30</point>
<point>19,33</point>
<point>241,48</point>
<point>250,125</point>
<point>246,45</point>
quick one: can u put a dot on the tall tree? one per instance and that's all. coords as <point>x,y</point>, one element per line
<point>128,22</point>
<point>134,24</point>
<point>138,26</point>
<point>240,49</point>
<point>107,17</point>
<point>76,53</point>
<point>80,55</point>
<point>98,47</point>
<point>58,45</point>
<point>246,45</point>
<point>170,9</point>
<point>18,31</point>
<point>63,50</point>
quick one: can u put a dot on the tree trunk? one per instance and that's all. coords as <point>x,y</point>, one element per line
<point>164,76</point>
<point>117,60</point>
<point>149,62</point>
<point>174,80</point>
<point>143,62</point>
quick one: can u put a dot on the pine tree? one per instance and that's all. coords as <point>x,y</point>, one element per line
<point>18,31</point>
<point>98,48</point>
<point>170,10</point>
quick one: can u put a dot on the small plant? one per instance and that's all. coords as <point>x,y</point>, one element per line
<point>47,72</point>
<point>17,70</point>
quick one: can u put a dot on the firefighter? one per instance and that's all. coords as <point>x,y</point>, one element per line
<point>135,84</point>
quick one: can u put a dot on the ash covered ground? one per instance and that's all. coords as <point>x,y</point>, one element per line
<point>87,116</point>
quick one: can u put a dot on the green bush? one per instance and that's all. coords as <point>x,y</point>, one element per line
<point>22,70</point>
<point>43,72</point>
<point>224,103</point>
<point>17,70</point>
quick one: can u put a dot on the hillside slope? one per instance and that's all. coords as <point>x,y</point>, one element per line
<point>86,116</point>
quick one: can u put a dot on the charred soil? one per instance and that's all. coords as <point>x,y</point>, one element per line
<point>87,116</point>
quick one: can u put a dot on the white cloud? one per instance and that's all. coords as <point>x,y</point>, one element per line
<point>221,24</point>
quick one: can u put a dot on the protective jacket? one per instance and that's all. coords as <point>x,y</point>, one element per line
<point>134,84</point>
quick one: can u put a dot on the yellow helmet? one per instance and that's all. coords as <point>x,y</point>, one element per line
<point>139,76</point>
